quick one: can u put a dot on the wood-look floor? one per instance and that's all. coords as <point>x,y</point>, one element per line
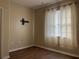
<point>37,53</point>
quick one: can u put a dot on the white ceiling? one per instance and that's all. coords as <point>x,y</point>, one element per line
<point>35,3</point>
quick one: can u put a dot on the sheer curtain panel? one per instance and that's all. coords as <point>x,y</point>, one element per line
<point>60,27</point>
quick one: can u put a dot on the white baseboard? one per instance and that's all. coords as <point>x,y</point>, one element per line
<point>6,57</point>
<point>20,48</point>
<point>62,52</point>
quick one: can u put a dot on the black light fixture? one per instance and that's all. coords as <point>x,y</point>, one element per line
<point>23,21</point>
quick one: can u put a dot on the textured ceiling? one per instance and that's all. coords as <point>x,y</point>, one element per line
<point>34,3</point>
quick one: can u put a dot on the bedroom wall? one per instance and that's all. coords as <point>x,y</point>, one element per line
<point>20,36</point>
<point>39,26</point>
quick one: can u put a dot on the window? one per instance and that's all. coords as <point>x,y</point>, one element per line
<point>59,22</point>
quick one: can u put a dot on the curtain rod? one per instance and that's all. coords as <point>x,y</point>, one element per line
<point>68,3</point>
<point>62,4</point>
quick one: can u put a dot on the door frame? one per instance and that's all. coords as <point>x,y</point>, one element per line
<point>2,30</point>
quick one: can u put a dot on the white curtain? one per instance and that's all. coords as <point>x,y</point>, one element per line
<point>60,27</point>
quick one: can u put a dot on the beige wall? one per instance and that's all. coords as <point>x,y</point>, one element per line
<point>39,26</point>
<point>20,35</point>
<point>5,27</point>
